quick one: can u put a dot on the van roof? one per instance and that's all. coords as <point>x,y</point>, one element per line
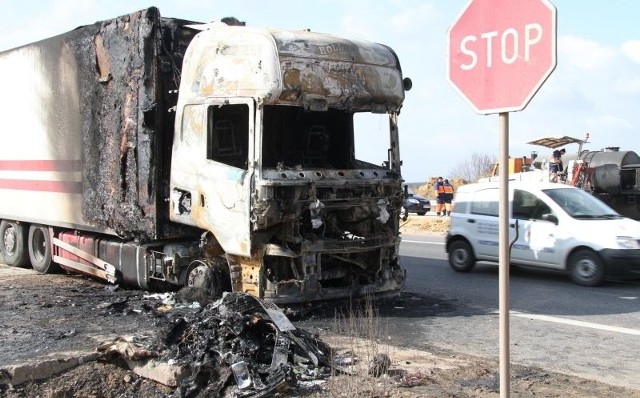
<point>515,184</point>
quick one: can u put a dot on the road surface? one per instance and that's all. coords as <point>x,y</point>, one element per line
<point>589,332</point>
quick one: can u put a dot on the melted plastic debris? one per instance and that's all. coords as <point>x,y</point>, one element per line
<point>238,342</point>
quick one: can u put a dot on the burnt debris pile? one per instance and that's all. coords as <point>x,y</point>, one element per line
<point>237,342</point>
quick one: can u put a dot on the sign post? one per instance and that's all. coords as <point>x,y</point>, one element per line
<point>500,52</point>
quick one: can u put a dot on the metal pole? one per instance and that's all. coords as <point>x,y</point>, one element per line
<point>503,256</point>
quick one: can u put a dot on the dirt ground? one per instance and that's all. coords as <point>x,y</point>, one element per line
<point>44,315</point>
<point>425,224</point>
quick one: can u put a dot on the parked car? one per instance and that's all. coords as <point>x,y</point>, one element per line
<point>553,226</point>
<point>415,203</point>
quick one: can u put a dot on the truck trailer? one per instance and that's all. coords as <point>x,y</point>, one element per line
<point>159,153</point>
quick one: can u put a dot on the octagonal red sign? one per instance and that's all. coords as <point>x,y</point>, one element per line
<point>500,52</point>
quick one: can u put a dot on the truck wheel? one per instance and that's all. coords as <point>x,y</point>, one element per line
<point>586,268</point>
<point>461,257</point>
<point>213,279</point>
<point>13,244</point>
<point>40,249</point>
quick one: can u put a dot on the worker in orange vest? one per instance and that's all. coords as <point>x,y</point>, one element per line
<point>448,197</point>
<point>439,192</point>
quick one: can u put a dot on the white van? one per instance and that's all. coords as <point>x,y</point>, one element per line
<point>551,226</point>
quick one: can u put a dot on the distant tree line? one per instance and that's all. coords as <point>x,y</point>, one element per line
<point>478,165</point>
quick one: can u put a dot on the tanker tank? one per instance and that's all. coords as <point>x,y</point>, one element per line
<point>613,171</point>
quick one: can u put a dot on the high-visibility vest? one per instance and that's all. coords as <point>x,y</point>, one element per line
<point>441,188</point>
<point>448,189</point>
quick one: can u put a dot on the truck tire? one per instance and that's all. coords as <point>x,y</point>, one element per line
<point>212,277</point>
<point>13,244</point>
<point>40,249</point>
<point>461,257</point>
<point>586,268</point>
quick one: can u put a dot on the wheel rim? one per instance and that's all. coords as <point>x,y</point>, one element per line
<point>9,241</point>
<point>199,277</point>
<point>39,244</point>
<point>586,269</point>
<point>460,257</point>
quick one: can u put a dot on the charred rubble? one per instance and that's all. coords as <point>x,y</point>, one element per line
<point>238,342</point>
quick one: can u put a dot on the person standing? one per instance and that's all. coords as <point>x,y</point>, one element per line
<point>555,165</point>
<point>438,189</point>
<point>448,197</point>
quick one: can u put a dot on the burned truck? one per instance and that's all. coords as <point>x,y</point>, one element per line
<point>157,153</point>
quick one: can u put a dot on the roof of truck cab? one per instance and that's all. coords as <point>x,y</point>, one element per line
<point>292,67</point>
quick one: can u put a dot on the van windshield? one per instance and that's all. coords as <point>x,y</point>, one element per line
<point>580,204</point>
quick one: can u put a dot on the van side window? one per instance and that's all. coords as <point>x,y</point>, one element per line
<point>485,202</point>
<point>228,134</point>
<point>527,206</point>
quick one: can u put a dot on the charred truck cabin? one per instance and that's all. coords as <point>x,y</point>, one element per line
<point>158,152</point>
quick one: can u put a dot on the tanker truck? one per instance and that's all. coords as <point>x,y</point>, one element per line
<point>158,153</point>
<point>611,174</point>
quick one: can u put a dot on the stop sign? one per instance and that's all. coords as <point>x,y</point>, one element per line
<point>501,51</point>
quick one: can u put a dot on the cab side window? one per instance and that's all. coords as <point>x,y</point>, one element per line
<point>228,134</point>
<point>527,206</point>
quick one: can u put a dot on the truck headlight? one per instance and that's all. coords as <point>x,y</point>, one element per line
<point>627,242</point>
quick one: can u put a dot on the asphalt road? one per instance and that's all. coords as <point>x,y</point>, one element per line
<point>593,333</point>
<point>589,332</point>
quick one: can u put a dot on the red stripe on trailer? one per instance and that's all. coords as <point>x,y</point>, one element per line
<point>41,165</point>
<point>42,185</point>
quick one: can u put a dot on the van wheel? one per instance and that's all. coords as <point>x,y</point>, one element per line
<point>586,268</point>
<point>461,257</point>
<point>40,249</point>
<point>13,244</point>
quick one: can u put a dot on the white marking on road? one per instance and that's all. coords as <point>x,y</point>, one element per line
<point>421,241</point>
<point>629,298</point>
<point>573,322</point>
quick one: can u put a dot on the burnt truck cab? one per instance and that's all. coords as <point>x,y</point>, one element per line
<point>264,159</point>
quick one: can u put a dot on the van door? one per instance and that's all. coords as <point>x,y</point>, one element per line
<point>482,223</point>
<point>537,239</point>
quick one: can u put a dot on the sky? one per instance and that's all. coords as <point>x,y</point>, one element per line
<point>595,87</point>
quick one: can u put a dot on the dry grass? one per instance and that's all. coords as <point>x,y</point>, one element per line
<point>361,362</point>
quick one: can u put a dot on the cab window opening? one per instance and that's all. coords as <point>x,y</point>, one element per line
<point>228,134</point>
<point>297,138</point>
